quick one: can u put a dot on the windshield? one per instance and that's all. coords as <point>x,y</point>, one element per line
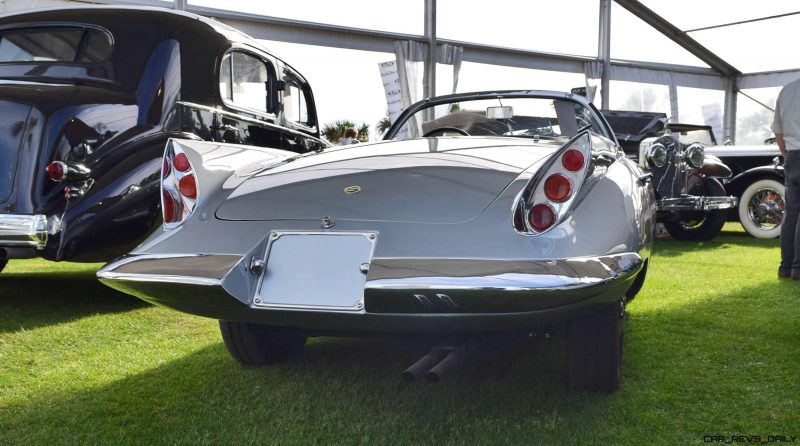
<point>521,117</point>
<point>693,136</point>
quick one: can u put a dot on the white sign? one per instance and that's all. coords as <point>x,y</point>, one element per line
<point>394,93</point>
<point>712,115</point>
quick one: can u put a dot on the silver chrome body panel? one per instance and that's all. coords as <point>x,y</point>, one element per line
<point>23,230</point>
<point>425,275</point>
<point>414,236</point>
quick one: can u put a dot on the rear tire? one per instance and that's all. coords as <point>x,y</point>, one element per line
<point>708,224</point>
<point>761,208</point>
<point>258,345</point>
<point>594,351</point>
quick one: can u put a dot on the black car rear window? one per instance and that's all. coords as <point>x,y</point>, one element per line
<point>54,45</point>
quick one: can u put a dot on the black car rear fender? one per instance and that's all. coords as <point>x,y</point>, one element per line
<point>739,183</point>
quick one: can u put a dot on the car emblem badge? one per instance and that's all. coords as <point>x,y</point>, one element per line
<point>352,190</point>
<point>327,222</point>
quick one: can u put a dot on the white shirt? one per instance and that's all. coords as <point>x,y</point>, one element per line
<point>787,115</point>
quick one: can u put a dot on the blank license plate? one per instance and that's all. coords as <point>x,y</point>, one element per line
<point>316,271</point>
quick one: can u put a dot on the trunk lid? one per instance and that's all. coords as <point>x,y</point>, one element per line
<point>447,180</point>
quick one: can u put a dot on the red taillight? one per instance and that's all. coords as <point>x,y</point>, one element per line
<point>179,186</point>
<point>572,160</point>
<point>181,163</point>
<point>55,171</point>
<point>541,217</point>
<point>188,186</point>
<point>557,188</point>
<point>551,192</point>
<point>169,206</point>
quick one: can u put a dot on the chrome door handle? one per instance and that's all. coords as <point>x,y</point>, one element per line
<point>645,178</point>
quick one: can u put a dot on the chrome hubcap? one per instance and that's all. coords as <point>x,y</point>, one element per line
<point>765,209</point>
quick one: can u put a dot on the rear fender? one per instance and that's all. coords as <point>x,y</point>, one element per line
<point>739,183</point>
<point>220,167</point>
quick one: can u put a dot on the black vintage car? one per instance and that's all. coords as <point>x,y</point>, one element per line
<point>692,201</point>
<point>89,97</point>
<point>757,180</point>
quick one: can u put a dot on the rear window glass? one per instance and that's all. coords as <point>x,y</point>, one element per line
<point>54,45</point>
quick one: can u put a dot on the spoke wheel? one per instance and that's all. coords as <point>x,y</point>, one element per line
<point>705,225</point>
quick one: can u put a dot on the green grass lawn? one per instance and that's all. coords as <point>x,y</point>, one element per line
<point>712,347</point>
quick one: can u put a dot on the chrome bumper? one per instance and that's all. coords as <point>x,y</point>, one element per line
<point>400,295</point>
<point>23,230</point>
<point>692,203</point>
<point>490,286</point>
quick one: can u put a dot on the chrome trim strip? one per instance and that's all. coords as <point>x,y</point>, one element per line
<point>499,275</point>
<point>193,267</point>
<point>133,277</point>
<point>692,203</point>
<point>23,230</point>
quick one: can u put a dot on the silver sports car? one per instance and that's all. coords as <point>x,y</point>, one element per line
<point>478,213</point>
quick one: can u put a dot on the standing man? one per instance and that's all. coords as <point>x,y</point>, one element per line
<point>786,126</point>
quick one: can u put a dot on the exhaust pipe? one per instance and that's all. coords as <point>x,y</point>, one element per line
<point>443,359</point>
<point>418,369</point>
<point>457,357</point>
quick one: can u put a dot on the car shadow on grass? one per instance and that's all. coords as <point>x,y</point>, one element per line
<point>718,363</point>
<point>36,299</point>
<point>342,391</point>
<point>690,370</point>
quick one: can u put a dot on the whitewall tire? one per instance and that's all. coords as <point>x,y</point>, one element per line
<point>761,208</point>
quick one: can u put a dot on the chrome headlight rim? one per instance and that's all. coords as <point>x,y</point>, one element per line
<point>656,155</point>
<point>694,155</point>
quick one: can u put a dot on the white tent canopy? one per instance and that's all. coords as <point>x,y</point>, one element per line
<point>717,61</point>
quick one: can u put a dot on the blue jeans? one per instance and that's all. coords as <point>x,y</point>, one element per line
<point>790,230</point>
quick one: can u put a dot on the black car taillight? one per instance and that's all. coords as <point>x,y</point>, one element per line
<point>548,197</point>
<point>179,189</point>
<point>67,171</point>
<point>55,170</point>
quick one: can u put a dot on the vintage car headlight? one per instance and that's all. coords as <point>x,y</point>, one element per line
<point>694,155</point>
<point>656,155</point>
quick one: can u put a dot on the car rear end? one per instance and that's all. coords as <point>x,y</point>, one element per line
<point>526,254</point>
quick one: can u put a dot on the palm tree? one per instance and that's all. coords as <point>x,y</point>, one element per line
<point>384,124</point>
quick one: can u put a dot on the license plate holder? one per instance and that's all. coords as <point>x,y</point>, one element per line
<point>315,271</point>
